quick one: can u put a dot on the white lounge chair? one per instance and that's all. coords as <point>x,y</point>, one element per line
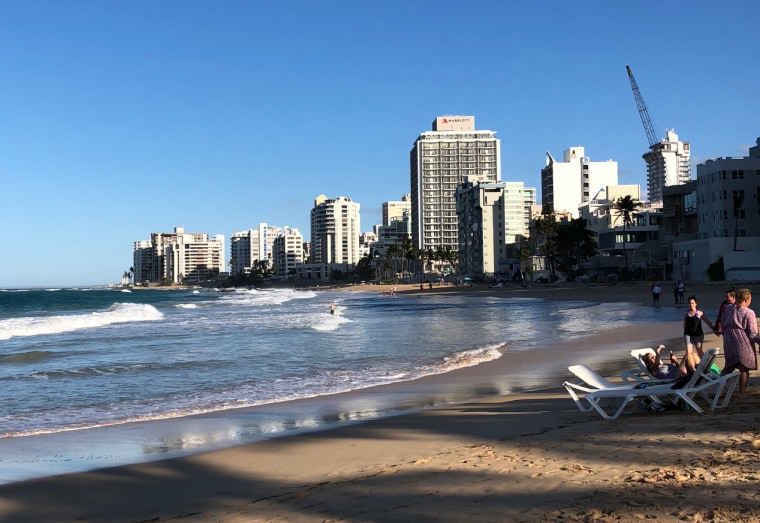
<point>622,395</point>
<point>596,381</point>
<point>641,373</point>
<point>592,382</point>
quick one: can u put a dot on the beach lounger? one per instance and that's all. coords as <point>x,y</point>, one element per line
<point>642,374</point>
<point>595,380</point>
<point>592,382</point>
<point>621,396</point>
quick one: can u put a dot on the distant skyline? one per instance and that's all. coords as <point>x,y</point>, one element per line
<point>123,119</point>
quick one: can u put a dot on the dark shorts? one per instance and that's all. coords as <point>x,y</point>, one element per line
<point>693,340</point>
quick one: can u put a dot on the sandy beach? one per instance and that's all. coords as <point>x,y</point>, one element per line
<point>521,457</point>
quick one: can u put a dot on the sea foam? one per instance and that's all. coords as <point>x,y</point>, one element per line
<point>42,325</point>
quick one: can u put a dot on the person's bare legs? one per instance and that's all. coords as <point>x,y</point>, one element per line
<point>692,361</point>
<point>689,363</point>
<point>743,379</point>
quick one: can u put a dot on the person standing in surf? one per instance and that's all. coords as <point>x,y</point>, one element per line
<point>332,308</point>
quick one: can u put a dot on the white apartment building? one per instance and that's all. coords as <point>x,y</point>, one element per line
<point>179,257</point>
<point>392,234</point>
<point>247,247</point>
<point>719,229</point>
<point>567,184</point>
<point>721,180</point>
<point>606,222</point>
<point>440,160</point>
<point>668,163</point>
<point>600,213</point>
<point>518,202</point>
<point>143,260</point>
<point>366,241</point>
<point>393,211</point>
<point>335,229</point>
<point>482,227</point>
<point>287,252</point>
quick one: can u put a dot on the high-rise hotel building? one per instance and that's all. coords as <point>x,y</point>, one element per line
<point>668,163</point>
<point>335,229</point>
<point>440,160</point>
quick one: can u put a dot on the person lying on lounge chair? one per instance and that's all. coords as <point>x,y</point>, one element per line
<point>672,370</point>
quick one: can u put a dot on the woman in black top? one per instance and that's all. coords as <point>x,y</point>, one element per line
<point>693,335</point>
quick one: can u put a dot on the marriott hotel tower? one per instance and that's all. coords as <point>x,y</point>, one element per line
<point>440,160</point>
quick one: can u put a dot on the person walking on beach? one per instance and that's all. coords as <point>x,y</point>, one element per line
<point>656,291</point>
<point>739,325</point>
<point>728,302</point>
<point>693,335</point>
<point>681,291</point>
<point>332,308</point>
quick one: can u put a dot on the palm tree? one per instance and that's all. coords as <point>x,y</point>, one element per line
<point>545,227</point>
<point>426,256</point>
<point>407,253</point>
<point>391,254</point>
<point>452,257</point>
<point>524,253</point>
<point>132,274</point>
<point>575,244</point>
<point>738,202</point>
<point>626,207</point>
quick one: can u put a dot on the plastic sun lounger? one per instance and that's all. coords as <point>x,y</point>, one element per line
<point>641,373</point>
<point>593,398</point>
<point>592,382</point>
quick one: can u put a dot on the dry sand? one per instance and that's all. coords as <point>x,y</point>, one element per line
<point>526,457</point>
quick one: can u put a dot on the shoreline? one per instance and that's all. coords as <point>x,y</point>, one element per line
<point>399,465</point>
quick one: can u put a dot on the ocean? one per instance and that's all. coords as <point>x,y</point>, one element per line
<point>74,362</point>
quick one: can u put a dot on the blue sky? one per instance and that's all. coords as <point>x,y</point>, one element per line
<point>119,119</point>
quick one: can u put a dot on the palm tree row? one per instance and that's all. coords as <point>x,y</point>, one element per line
<point>405,259</point>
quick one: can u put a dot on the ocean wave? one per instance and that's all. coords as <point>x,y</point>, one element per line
<point>326,321</point>
<point>470,358</point>
<point>264,298</point>
<point>45,325</point>
<point>26,357</point>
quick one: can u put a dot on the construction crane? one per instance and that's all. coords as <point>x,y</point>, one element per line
<point>646,119</point>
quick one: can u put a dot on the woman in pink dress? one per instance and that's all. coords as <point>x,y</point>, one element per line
<point>739,336</point>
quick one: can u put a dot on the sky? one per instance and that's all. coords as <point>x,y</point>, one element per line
<point>120,119</point>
